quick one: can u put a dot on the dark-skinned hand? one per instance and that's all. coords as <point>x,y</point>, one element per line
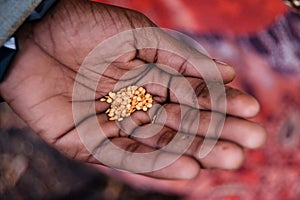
<point>39,88</point>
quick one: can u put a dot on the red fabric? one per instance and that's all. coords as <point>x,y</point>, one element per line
<point>229,16</point>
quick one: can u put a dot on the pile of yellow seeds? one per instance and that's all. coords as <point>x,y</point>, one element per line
<point>126,101</point>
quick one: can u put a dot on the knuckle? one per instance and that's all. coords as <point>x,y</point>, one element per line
<point>164,138</point>
<point>132,147</point>
<point>196,146</point>
<point>189,122</point>
<point>211,124</point>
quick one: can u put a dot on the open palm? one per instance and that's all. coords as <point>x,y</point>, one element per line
<point>52,53</point>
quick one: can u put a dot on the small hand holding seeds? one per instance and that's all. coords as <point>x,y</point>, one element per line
<point>40,85</point>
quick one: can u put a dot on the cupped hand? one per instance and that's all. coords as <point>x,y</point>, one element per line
<point>62,51</point>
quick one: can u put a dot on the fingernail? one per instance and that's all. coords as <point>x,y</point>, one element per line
<point>219,62</point>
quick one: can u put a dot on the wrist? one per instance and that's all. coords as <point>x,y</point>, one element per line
<point>23,11</point>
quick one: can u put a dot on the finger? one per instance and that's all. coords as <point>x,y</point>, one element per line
<point>224,155</point>
<point>135,157</point>
<point>159,47</point>
<point>197,65</point>
<point>183,118</point>
<point>212,97</point>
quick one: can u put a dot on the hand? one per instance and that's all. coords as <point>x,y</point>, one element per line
<point>40,84</point>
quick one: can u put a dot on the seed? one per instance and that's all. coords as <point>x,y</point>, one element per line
<point>120,119</point>
<point>126,101</point>
<point>153,119</point>
<point>112,118</point>
<point>142,90</point>
<point>109,100</point>
<point>111,94</point>
<point>124,112</point>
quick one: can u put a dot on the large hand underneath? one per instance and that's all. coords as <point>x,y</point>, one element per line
<point>40,84</point>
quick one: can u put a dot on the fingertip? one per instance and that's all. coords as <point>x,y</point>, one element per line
<point>247,134</point>
<point>227,71</point>
<point>253,107</point>
<point>234,158</point>
<point>190,171</point>
<point>264,137</point>
<point>225,155</point>
<point>258,139</point>
<point>243,105</point>
<point>230,71</point>
<point>184,168</point>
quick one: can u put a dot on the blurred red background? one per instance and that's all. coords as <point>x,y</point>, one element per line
<point>225,16</point>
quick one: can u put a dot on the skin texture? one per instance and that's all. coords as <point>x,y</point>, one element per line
<point>40,84</point>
